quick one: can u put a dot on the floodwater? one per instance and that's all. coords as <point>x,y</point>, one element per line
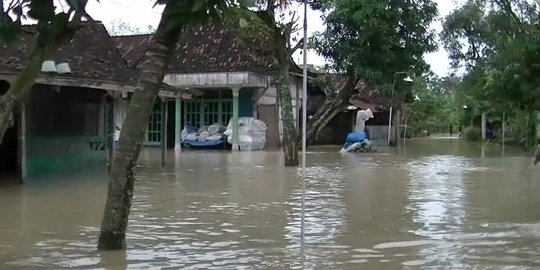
<point>435,204</point>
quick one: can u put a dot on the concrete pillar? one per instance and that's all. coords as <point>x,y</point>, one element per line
<point>236,137</point>
<point>397,127</point>
<point>484,120</point>
<point>178,125</point>
<point>164,114</point>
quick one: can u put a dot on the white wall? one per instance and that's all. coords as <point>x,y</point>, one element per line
<point>270,98</point>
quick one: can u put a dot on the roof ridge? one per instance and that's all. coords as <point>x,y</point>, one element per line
<point>131,35</point>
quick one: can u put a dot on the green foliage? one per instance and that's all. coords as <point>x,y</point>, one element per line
<point>376,39</point>
<point>498,42</point>
<point>51,26</point>
<point>41,10</point>
<point>472,134</point>
<point>435,108</point>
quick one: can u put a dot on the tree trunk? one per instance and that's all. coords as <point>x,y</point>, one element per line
<point>537,155</point>
<point>22,85</point>
<point>121,178</point>
<point>290,144</point>
<point>396,128</point>
<point>531,128</point>
<point>331,107</point>
<point>27,77</point>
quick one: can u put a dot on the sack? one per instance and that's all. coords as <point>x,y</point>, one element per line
<point>202,129</point>
<point>191,137</point>
<point>215,137</point>
<point>203,136</point>
<point>216,128</point>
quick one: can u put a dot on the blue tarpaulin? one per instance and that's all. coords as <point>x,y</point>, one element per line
<point>355,137</point>
<point>203,143</point>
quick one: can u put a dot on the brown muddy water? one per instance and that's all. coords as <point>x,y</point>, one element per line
<point>435,204</point>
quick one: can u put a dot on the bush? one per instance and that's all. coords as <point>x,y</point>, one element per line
<point>472,134</point>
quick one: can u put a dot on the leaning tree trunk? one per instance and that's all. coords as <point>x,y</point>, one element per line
<point>290,145</point>
<point>27,77</point>
<point>16,92</point>
<point>331,107</point>
<point>121,179</point>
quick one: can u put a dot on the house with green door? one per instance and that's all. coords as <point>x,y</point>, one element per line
<point>225,78</point>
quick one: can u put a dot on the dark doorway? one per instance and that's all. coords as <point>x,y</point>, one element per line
<point>9,148</point>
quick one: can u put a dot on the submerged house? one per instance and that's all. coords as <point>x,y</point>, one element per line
<point>66,118</point>
<point>67,121</point>
<point>225,77</point>
<point>365,98</point>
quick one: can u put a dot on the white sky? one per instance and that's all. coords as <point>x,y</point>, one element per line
<point>140,13</point>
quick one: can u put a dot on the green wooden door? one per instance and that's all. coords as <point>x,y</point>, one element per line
<point>153,133</point>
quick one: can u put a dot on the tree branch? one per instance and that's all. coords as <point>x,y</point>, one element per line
<point>298,45</point>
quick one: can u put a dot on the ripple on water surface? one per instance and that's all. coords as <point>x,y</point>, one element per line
<point>242,211</point>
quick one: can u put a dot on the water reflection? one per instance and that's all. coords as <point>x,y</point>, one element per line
<point>437,198</point>
<point>438,204</point>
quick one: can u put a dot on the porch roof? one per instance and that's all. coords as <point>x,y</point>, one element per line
<point>93,59</point>
<point>218,80</point>
<point>53,79</point>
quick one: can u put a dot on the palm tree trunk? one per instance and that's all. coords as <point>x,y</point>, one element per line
<point>121,177</point>
<point>290,145</point>
<point>23,83</point>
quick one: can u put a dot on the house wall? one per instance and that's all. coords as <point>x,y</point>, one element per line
<point>65,130</point>
<point>378,128</point>
<point>270,98</point>
<point>337,129</point>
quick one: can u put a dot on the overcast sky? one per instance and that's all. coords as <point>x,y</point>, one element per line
<point>140,13</point>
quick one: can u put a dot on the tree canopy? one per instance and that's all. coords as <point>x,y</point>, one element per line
<point>497,44</point>
<point>376,39</point>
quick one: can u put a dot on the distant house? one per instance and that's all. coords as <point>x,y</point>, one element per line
<point>365,98</point>
<point>64,122</point>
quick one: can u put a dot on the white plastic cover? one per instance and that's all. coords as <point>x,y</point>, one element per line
<point>251,131</point>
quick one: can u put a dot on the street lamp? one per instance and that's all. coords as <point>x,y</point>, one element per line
<point>469,108</point>
<point>407,79</point>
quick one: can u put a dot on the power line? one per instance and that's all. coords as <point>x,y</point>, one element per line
<point>131,7</point>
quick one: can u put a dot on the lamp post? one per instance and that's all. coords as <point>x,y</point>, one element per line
<point>406,79</point>
<point>304,124</point>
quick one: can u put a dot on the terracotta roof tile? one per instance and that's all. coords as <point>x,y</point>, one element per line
<point>211,48</point>
<point>91,54</point>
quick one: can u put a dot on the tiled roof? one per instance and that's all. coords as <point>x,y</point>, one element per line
<point>91,54</point>
<point>211,48</point>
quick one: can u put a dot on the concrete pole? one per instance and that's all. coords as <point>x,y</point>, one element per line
<point>236,136</point>
<point>178,125</point>
<point>484,131</point>
<point>397,127</point>
<point>164,114</point>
